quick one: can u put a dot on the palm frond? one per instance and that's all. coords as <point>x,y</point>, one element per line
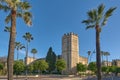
<point>109,12</point>
<point>90,26</point>
<point>95,14</point>
<point>27,18</point>
<point>87,22</point>
<point>7,29</point>
<point>19,14</point>
<point>28,37</point>
<point>24,5</point>
<point>28,14</point>
<point>100,11</point>
<point>92,14</point>
<point>107,15</point>
<point>4,8</point>
<point>8,18</point>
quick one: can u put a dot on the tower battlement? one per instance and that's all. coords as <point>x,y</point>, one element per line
<point>71,33</point>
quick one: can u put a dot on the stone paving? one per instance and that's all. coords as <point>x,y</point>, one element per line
<point>62,78</point>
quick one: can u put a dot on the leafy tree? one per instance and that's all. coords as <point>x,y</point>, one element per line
<point>60,65</point>
<point>105,69</point>
<point>40,65</point>
<point>92,66</point>
<point>81,67</point>
<point>35,65</point>
<point>43,65</point>
<point>51,59</point>
<point>30,68</point>
<point>1,68</point>
<point>18,47</point>
<point>18,67</point>
<point>117,71</point>
<point>34,51</point>
<point>96,19</point>
<point>15,8</point>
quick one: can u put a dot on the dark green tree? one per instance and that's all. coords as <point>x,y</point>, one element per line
<point>60,65</point>
<point>51,59</point>
<point>97,19</point>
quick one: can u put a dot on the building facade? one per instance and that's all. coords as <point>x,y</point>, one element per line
<point>106,63</point>
<point>70,53</point>
<point>116,62</point>
<point>28,60</point>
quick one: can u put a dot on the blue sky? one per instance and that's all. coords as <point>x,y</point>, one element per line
<point>53,18</point>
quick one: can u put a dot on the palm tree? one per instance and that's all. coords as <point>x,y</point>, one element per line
<point>106,54</point>
<point>34,51</point>
<point>97,19</point>
<point>15,8</point>
<point>28,37</point>
<point>18,47</point>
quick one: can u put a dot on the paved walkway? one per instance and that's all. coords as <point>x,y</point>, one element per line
<point>57,77</point>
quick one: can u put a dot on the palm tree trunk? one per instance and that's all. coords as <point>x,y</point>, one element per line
<point>26,52</point>
<point>88,59</point>
<point>10,59</point>
<point>17,54</point>
<point>102,59</point>
<point>26,59</point>
<point>98,56</point>
<point>33,56</point>
<point>107,60</point>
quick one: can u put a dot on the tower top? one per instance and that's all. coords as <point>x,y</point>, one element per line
<point>71,33</point>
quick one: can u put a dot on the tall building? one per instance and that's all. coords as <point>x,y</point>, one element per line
<point>70,53</point>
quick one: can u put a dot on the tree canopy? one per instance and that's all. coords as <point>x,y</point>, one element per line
<point>81,67</point>
<point>18,67</point>
<point>60,65</point>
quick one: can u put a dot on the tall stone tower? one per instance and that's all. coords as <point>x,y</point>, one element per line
<point>70,52</point>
